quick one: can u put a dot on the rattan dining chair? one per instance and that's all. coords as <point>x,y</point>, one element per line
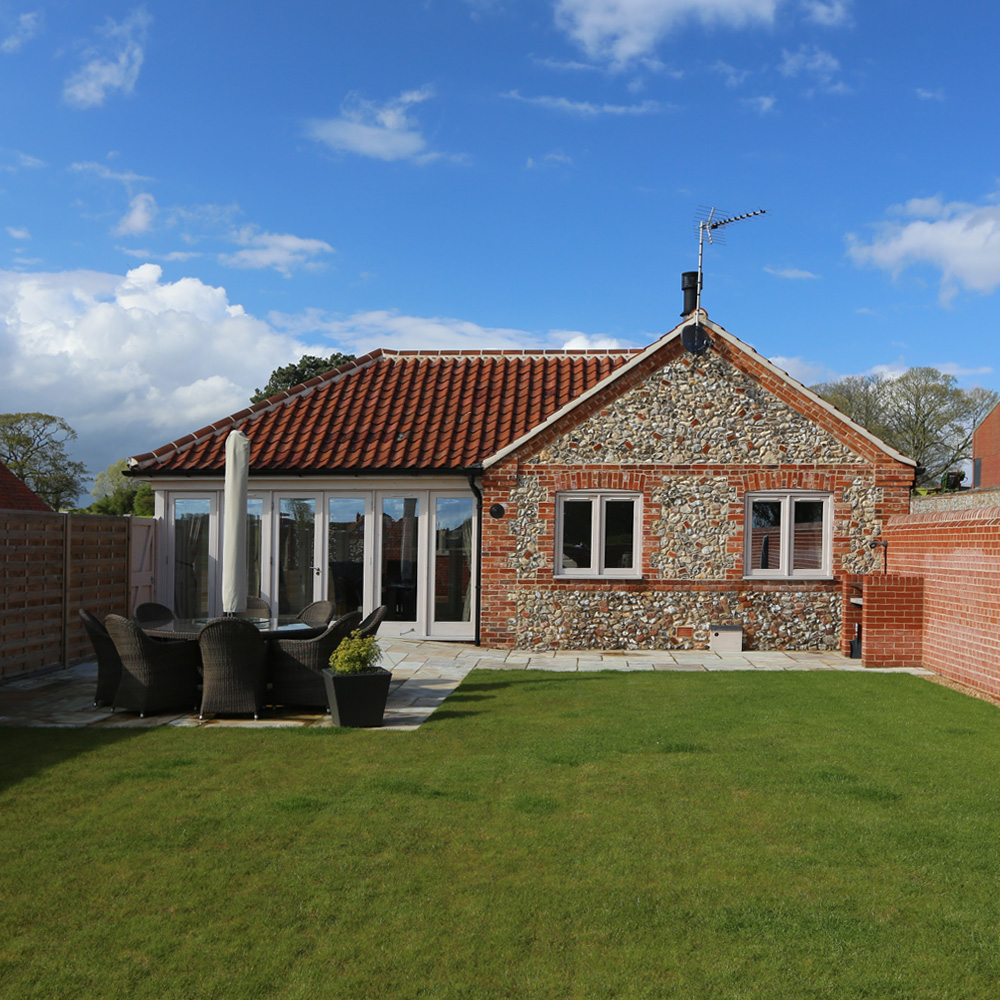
<point>319,613</point>
<point>156,676</point>
<point>370,625</point>
<point>234,668</point>
<point>258,608</point>
<point>152,614</point>
<point>109,663</point>
<point>296,665</point>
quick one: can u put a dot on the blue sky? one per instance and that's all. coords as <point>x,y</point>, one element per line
<point>196,193</point>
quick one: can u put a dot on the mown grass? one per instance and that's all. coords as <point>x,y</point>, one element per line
<point>725,835</point>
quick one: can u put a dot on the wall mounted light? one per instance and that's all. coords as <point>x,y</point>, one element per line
<point>497,510</point>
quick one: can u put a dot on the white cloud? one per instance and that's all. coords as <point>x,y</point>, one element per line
<point>364,331</point>
<point>18,233</point>
<point>589,342</point>
<point>381,131</point>
<point>27,27</point>
<point>960,240</point>
<point>930,95</point>
<point>807,372</point>
<point>548,160</point>
<point>734,77</point>
<point>172,257</point>
<point>793,273</point>
<point>131,362</point>
<point>139,218</point>
<point>829,13</point>
<point>586,109</point>
<point>621,31</point>
<point>106,173</point>
<point>762,105</point>
<point>813,62</point>
<point>282,251</point>
<point>113,65</point>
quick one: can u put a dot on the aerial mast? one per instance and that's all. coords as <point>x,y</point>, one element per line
<point>710,226</point>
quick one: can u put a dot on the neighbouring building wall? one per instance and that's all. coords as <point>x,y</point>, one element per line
<point>986,451</point>
<point>691,439</point>
<point>957,556</point>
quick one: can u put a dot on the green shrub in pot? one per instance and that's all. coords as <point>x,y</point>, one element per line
<point>357,654</point>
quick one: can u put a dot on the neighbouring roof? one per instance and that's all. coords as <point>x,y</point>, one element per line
<point>397,410</point>
<point>15,495</point>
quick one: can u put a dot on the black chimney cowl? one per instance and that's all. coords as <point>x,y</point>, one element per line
<point>689,286</point>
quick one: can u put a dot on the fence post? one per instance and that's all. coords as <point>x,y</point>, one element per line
<point>64,609</point>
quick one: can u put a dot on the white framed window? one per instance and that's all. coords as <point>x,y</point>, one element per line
<point>598,534</point>
<point>788,534</point>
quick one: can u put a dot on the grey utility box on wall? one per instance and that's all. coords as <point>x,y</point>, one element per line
<point>725,638</point>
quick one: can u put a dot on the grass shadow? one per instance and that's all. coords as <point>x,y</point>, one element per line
<point>28,751</point>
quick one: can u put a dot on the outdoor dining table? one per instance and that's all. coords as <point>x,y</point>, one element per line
<point>190,628</point>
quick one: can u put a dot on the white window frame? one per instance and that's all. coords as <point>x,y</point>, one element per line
<point>599,499</point>
<point>784,571</point>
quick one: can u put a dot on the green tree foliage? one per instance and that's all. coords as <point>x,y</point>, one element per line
<point>33,447</point>
<point>116,493</point>
<point>304,369</point>
<point>922,413</point>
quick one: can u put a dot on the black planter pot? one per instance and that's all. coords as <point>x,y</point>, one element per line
<point>357,700</point>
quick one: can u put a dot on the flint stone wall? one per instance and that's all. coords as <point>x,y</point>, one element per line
<point>707,411</point>
<point>675,619</point>
<point>692,439</point>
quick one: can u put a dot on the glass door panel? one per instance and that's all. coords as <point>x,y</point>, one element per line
<point>255,537</point>
<point>296,554</point>
<point>346,554</point>
<point>398,558</point>
<point>192,522</point>
<point>452,567</point>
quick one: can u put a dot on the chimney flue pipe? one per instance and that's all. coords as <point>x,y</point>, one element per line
<point>689,286</point>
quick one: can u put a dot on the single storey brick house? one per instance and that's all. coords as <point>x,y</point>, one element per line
<point>545,499</point>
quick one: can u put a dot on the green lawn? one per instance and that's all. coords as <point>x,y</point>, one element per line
<point>723,835</point>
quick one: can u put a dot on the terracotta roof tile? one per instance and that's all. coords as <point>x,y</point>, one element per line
<point>404,410</point>
<point>15,495</point>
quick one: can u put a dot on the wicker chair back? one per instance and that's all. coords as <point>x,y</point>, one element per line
<point>156,676</point>
<point>234,667</point>
<point>109,664</point>
<point>297,664</point>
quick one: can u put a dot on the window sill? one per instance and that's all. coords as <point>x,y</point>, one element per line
<point>790,579</point>
<point>597,578</point>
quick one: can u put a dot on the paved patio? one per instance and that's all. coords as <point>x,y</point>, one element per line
<point>423,675</point>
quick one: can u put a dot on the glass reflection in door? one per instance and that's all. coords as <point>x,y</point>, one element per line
<point>191,526</point>
<point>296,548</point>
<point>453,519</point>
<point>255,522</point>
<point>399,558</point>
<point>346,554</point>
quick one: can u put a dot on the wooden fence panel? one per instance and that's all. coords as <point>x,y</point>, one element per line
<point>50,566</point>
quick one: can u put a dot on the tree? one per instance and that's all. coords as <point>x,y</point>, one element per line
<point>115,493</point>
<point>922,413</point>
<point>304,369</point>
<point>33,447</point>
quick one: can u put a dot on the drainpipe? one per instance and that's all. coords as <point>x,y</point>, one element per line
<point>478,494</point>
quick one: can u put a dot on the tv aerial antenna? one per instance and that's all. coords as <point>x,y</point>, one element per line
<point>711,224</point>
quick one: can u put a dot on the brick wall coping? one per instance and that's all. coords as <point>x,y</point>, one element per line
<point>971,515</point>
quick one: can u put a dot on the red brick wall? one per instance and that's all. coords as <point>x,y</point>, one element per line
<point>986,447</point>
<point>957,554</point>
<point>892,620</point>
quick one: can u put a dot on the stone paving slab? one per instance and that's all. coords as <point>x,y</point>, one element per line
<point>424,674</point>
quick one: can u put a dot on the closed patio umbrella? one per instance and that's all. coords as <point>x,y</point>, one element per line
<point>234,524</point>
